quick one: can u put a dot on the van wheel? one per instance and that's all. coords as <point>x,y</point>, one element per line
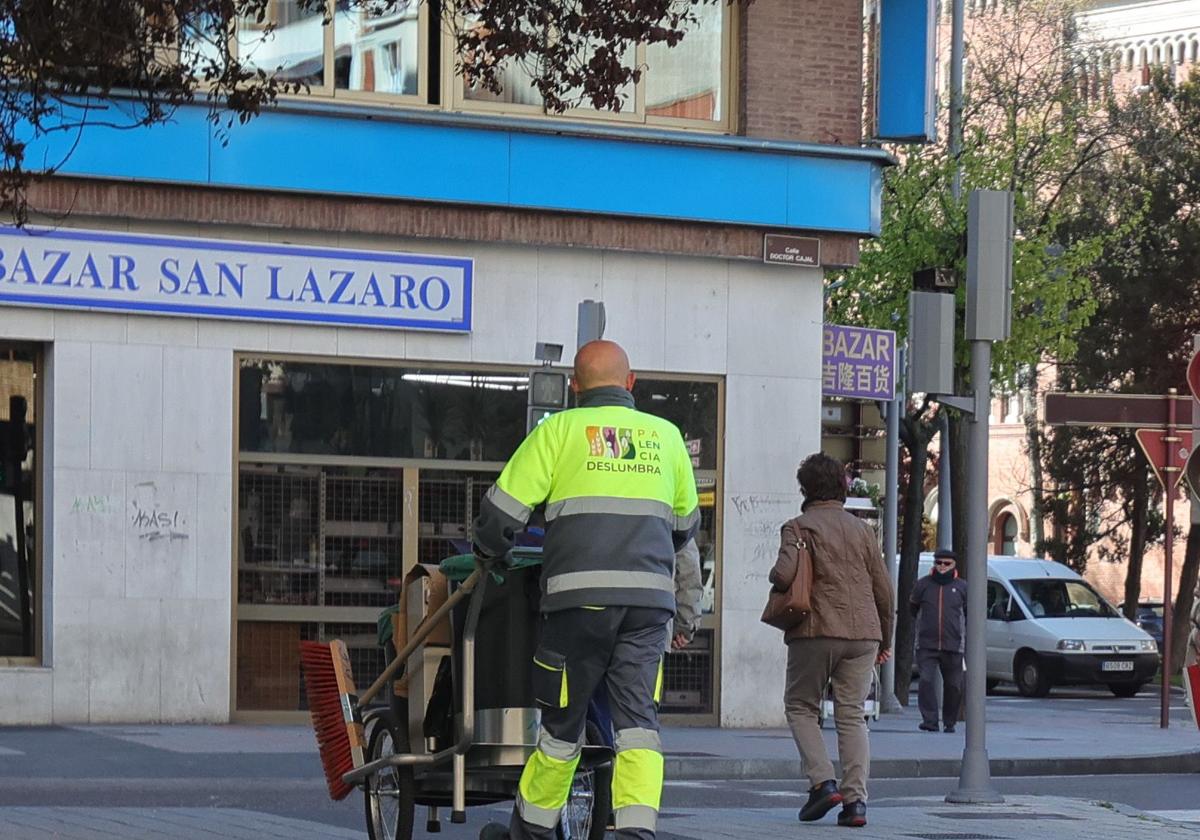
<point>1030,676</point>
<point>1125,689</point>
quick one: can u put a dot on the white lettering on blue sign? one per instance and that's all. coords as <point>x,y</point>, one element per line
<point>70,269</point>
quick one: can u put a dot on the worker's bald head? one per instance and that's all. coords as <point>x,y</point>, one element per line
<point>601,363</point>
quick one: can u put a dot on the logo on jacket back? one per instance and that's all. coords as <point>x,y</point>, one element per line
<point>609,444</point>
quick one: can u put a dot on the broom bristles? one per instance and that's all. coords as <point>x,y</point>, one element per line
<point>330,688</point>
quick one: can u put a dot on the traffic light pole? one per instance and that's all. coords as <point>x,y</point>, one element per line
<point>975,779</point>
<point>1169,483</point>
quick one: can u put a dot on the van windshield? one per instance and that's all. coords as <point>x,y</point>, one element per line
<point>1049,598</point>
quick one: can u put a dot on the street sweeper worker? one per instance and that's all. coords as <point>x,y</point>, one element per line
<point>620,500</point>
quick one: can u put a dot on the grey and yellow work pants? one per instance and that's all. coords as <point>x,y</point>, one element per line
<point>621,647</point>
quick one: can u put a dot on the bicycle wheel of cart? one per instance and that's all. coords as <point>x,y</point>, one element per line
<point>589,804</point>
<point>390,794</point>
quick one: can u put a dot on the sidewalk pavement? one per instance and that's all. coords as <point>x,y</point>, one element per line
<point>1084,735</point>
<point>1050,737</point>
<point>1018,818</point>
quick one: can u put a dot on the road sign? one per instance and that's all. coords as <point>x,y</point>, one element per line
<point>1129,411</point>
<point>1166,453</point>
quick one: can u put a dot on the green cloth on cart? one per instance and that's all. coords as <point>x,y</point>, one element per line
<point>385,624</point>
<point>459,567</point>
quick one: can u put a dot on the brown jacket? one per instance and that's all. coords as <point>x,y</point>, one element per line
<point>852,594</point>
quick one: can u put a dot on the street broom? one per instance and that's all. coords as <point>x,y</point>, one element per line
<point>333,703</point>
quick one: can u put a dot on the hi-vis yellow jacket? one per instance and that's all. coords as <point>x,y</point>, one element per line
<point>620,500</point>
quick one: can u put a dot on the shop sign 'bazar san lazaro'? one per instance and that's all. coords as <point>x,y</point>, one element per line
<point>226,279</point>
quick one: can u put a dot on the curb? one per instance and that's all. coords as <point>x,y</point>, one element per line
<point>713,768</point>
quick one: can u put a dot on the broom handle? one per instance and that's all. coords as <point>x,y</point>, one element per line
<point>423,631</point>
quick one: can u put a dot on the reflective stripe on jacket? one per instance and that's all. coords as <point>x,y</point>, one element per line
<point>620,499</point>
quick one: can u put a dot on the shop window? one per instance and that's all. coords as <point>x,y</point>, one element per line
<point>687,81</point>
<point>314,408</point>
<point>340,491</point>
<point>682,85</point>
<point>377,53</point>
<point>20,566</point>
<point>289,41</point>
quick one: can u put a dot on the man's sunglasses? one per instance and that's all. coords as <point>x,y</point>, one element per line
<point>943,562</point>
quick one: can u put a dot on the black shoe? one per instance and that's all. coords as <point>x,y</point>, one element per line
<point>821,800</point>
<point>853,815</point>
<point>949,728</point>
<point>926,726</point>
<point>494,831</point>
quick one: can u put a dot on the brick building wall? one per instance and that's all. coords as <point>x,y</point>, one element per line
<point>802,70</point>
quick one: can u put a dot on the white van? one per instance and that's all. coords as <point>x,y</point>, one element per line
<point>1047,626</point>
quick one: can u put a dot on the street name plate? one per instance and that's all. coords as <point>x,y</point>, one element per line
<point>1115,410</point>
<point>780,249</point>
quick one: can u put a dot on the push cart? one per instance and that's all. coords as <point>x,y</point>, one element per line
<point>870,705</point>
<point>463,740</point>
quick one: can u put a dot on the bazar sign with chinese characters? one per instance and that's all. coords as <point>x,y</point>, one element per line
<point>858,363</point>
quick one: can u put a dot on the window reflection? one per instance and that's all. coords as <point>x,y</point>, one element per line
<point>692,406</point>
<point>294,48</point>
<point>377,53</point>
<point>317,408</point>
<point>20,585</point>
<point>368,411</point>
<point>684,81</point>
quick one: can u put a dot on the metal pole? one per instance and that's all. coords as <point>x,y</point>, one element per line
<point>945,523</point>
<point>974,780</point>
<point>957,49</point>
<point>1169,473</point>
<point>891,501</point>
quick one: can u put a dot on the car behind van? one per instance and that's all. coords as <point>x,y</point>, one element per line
<point>1047,626</point>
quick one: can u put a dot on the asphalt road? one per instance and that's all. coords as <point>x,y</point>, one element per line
<point>308,802</point>
<point>64,768</point>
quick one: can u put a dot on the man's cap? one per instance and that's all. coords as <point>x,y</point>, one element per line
<point>946,553</point>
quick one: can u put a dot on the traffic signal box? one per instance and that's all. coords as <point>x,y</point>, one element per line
<point>547,395</point>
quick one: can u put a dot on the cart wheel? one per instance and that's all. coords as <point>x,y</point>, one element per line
<point>389,797</point>
<point>589,804</point>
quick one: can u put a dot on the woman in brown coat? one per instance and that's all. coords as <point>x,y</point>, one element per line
<point>847,633</point>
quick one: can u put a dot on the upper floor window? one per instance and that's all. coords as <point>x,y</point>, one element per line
<point>407,57</point>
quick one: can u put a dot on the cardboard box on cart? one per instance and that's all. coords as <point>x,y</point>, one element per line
<point>425,589</point>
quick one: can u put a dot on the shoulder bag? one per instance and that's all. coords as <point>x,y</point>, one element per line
<point>786,609</point>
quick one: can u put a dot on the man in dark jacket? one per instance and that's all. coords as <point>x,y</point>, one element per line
<point>939,604</point>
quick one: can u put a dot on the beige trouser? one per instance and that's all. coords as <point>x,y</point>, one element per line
<point>813,663</point>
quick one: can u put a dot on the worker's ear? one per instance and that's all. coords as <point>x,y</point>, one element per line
<point>574,383</point>
<point>630,381</point>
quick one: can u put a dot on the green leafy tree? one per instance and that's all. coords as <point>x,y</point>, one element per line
<point>1030,129</point>
<point>1139,339</point>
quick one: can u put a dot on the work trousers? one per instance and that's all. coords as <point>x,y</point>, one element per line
<point>950,663</point>
<point>847,665</point>
<point>580,649</point>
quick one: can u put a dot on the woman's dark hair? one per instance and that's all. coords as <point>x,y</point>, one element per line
<point>822,478</point>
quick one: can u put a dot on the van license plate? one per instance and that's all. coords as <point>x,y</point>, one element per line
<point>1116,666</point>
